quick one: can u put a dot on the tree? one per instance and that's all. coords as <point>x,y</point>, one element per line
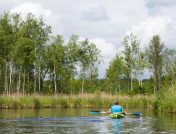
<point>40,34</point>
<point>155,58</point>
<point>56,59</point>
<point>131,54</point>
<point>72,54</point>
<point>23,56</point>
<point>89,57</point>
<point>169,65</point>
<point>115,73</point>
<point>9,27</point>
<point>28,52</point>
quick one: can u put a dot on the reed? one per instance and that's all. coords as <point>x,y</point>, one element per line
<point>97,100</point>
<point>137,101</point>
<point>166,100</point>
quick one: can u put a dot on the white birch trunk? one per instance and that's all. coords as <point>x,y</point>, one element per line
<point>39,84</point>
<point>6,78</point>
<point>24,82</point>
<point>10,79</point>
<point>35,78</point>
<point>82,87</point>
<point>119,87</point>
<point>55,82</point>
<point>19,84</point>
<point>131,82</point>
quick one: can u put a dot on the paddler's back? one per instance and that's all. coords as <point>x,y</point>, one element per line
<point>116,109</point>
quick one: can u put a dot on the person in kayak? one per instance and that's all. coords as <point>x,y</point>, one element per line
<point>116,108</point>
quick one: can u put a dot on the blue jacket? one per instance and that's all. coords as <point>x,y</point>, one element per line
<point>116,109</point>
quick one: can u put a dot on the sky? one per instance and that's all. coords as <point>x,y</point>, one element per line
<point>104,22</point>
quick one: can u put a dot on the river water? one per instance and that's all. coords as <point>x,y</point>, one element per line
<point>79,121</point>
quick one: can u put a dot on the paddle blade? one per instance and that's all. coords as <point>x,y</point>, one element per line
<point>97,112</point>
<point>94,112</point>
<point>137,113</point>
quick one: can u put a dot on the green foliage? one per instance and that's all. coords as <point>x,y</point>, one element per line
<point>89,58</point>
<point>37,103</point>
<point>29,64</point>
<point>64,102</point>
<point>155,59</point>
<point>145,88</point>
<point>115,73</point>
<point>33,61</point>
<point>132,58</point>
<point>166,100</point>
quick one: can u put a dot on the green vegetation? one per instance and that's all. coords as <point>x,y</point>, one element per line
<point>166,100</point>
<point>155,55</point>
<point>34,61</point>
<point>74,101</point>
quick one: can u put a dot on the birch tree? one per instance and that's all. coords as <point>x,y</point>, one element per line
<point>56,55</point>
<point>115,73</point>
<point>131,45</point>
<point>89,57</point>
<point>155,58</point>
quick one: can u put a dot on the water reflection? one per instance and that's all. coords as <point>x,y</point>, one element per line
<point>117,125</point>
<point>78,121</point>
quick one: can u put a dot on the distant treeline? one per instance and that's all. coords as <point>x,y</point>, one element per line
<point>33,60</point>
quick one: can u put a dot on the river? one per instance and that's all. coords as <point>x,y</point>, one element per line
<point>79,121</point>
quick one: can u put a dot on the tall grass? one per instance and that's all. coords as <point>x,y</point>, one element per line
<point>166,100</point>
<point>97,100</point>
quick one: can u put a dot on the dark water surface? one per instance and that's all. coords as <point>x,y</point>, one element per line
<point>79,121</point>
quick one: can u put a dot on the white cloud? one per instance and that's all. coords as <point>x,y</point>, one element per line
<point>96,14</point>
<point>36,9</point>
<point>160,3</point>
<point>161,25</point>
<point>33,8</point>
<point>108,51</point>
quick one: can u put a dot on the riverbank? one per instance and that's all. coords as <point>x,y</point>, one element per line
<point>99,100</point>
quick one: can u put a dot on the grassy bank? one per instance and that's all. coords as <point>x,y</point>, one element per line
<point>166,100</point>
<point>74,101</point>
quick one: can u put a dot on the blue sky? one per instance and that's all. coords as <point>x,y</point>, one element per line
<point>104,22</point>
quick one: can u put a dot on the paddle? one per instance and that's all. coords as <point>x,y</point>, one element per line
<point>102,112</point>
<point>98,112</point>
<point>134,113</point>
